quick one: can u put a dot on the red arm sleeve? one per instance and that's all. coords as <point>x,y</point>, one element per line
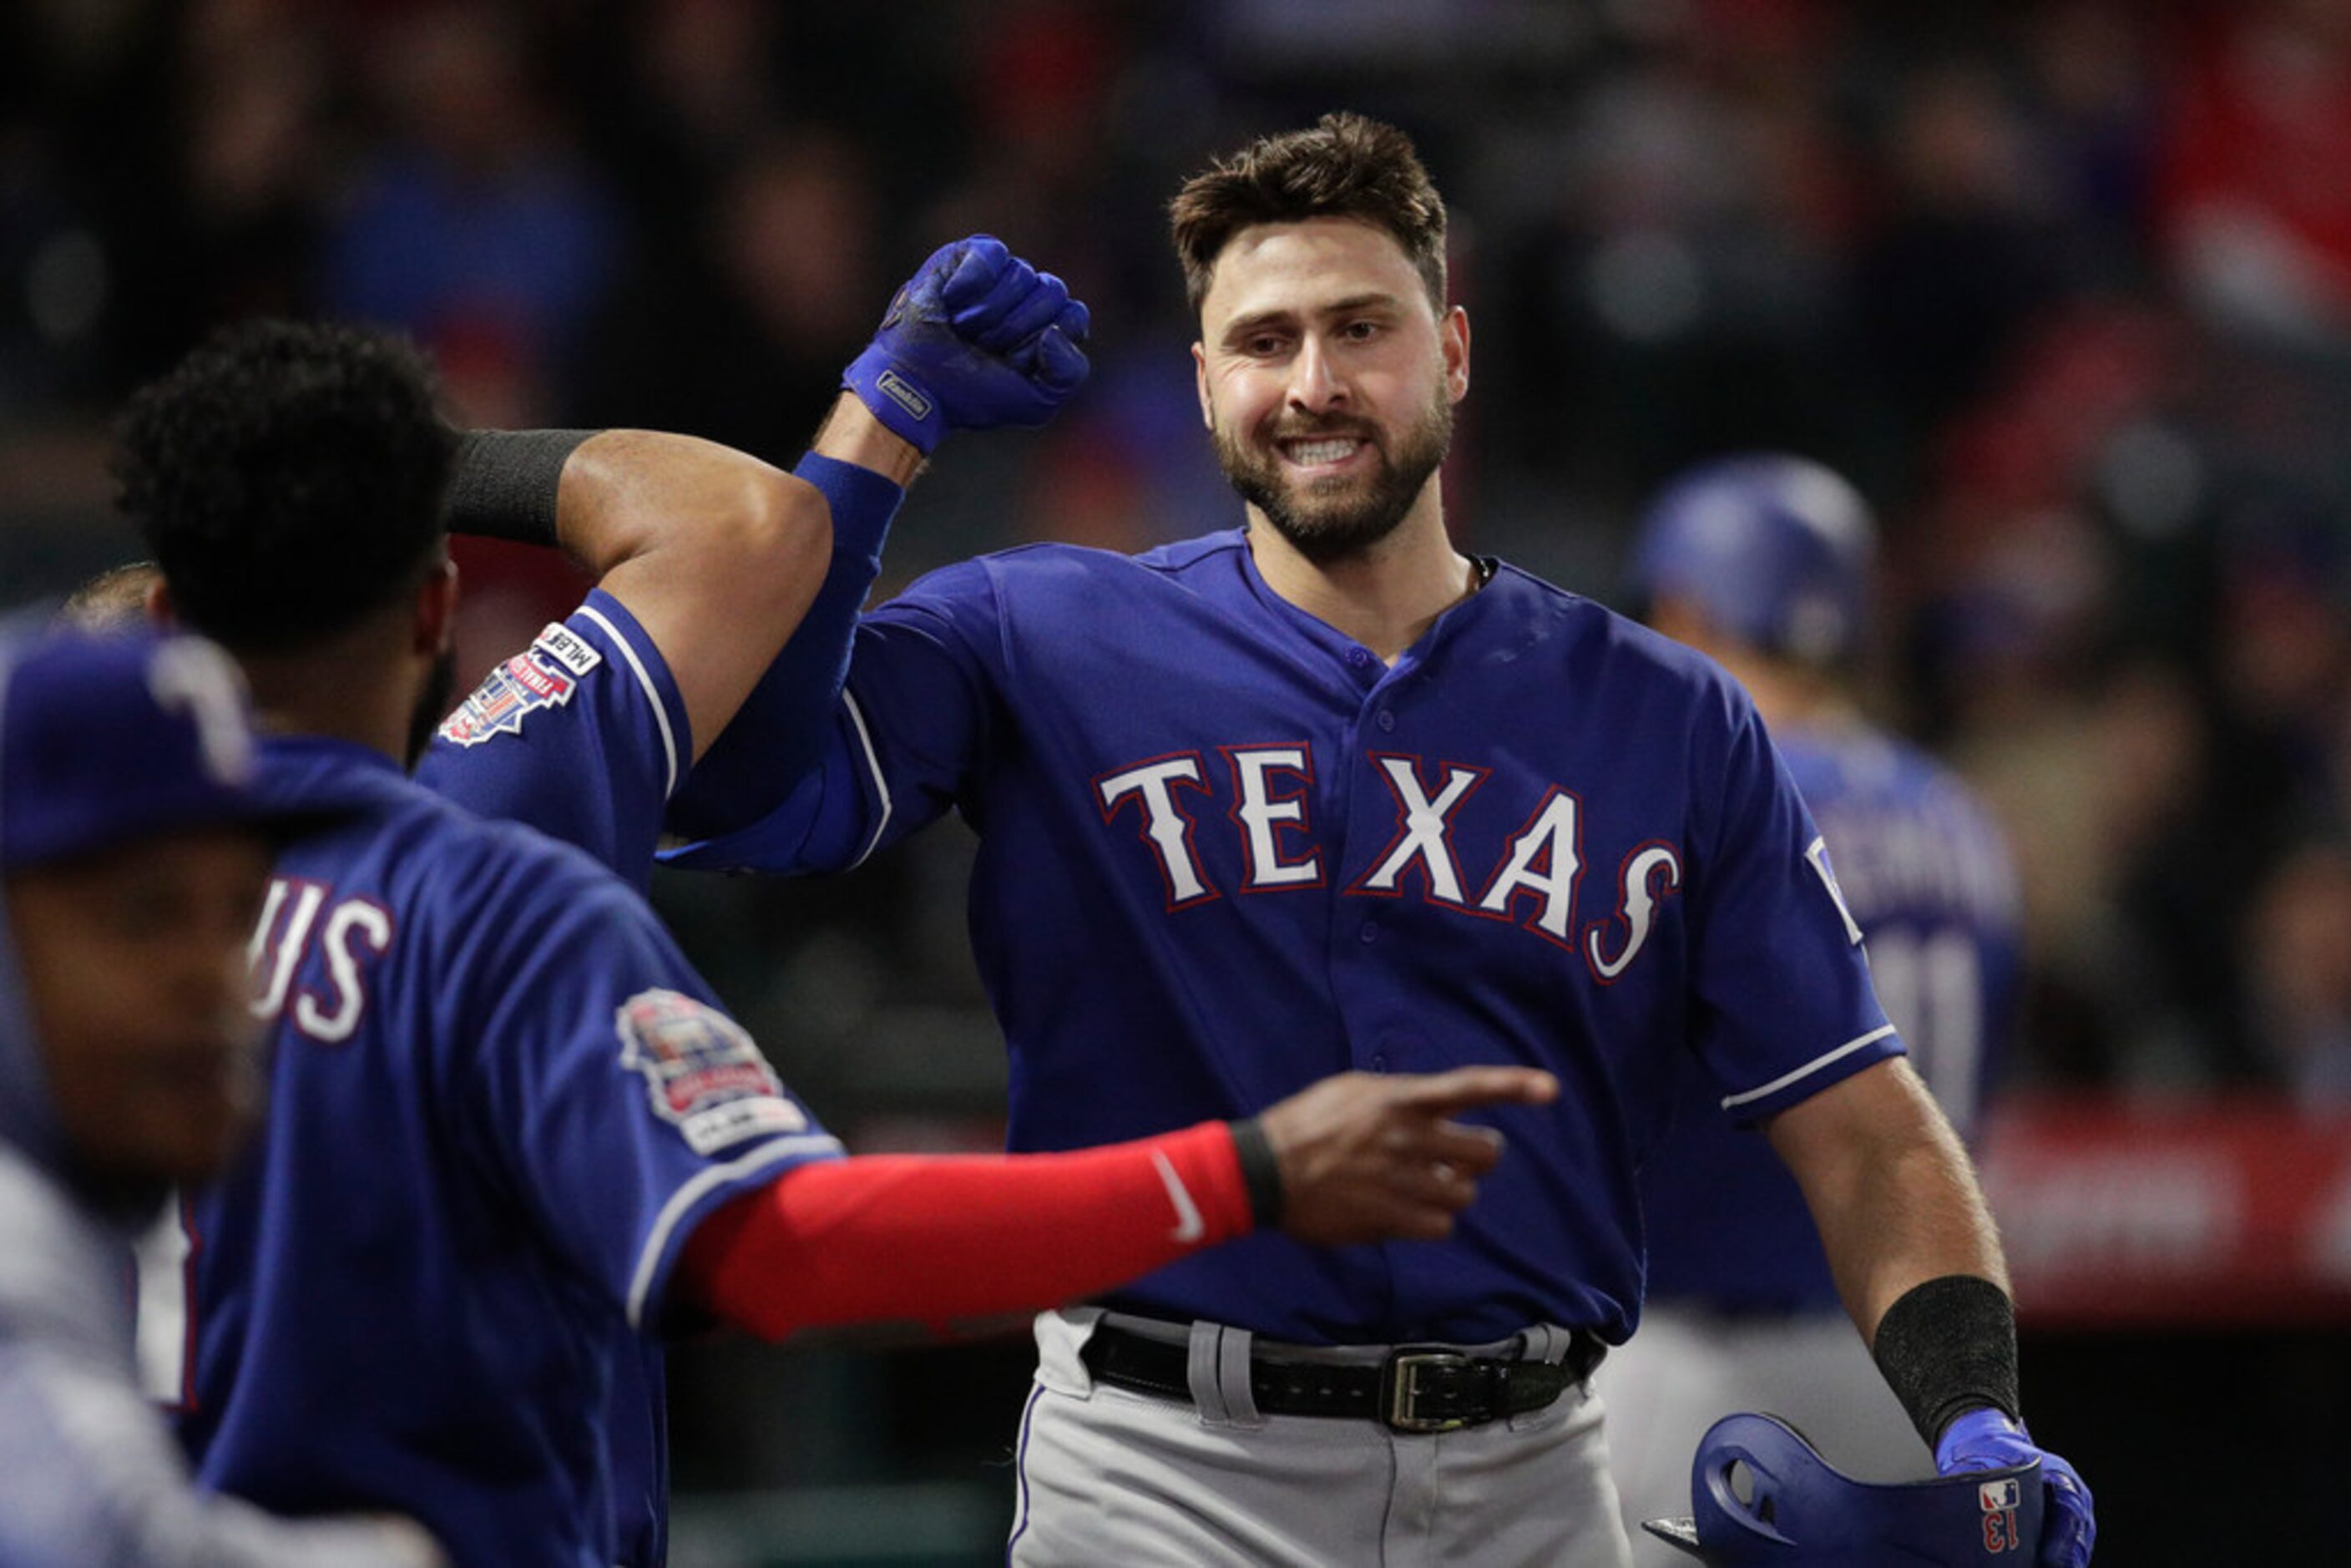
<point>938,1238</point>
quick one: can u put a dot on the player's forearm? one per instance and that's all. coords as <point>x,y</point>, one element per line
<point>940,1240</point>
<point>1915,1216</point>
<point>610,497</point>
<point>718,555</point>
<point>628,495</point>
<point>1889,1187</point>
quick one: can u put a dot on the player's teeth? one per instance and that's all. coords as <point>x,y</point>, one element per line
<point>1321,451</point>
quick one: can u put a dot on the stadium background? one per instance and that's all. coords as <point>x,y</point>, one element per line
<point>2064,286</point>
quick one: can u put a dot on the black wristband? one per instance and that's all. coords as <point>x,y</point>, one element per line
<point>1260,1172</point>
<point>1947,1347</point>
<point>503,484</point>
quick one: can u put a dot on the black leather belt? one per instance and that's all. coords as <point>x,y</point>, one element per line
<point>1417,1388</point>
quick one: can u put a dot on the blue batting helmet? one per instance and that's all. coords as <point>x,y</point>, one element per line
<point>1777,549</point>
<point>1799,1512</point>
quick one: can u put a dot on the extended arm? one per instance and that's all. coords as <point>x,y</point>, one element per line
<point>717,554</point>
<point>723,560</point>
<point>939,1239</point>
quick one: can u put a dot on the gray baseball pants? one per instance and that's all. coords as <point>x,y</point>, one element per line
<point>1111,1476</point>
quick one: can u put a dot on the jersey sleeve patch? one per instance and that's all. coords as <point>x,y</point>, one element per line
<point>704,1074</point>
<point>567,648</point>
<point>543,675</point>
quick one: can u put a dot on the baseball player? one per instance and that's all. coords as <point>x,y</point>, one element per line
<point>1322,792</point>
<point>133,854</point>
<point>512,1138</point>
<point>1762,562</point>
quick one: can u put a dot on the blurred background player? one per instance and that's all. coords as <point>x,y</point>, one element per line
<point>1764,563</point>
<point>571,1149</point>
<point>134,853</point>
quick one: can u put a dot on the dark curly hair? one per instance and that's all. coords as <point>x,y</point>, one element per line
<point>288,478</point>
<point>1346,166</point>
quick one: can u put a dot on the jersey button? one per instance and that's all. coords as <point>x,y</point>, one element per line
<point>1369,932</point>
<point>1379,1063</point>
<point>1359,657</point>
<point>1387,719</point>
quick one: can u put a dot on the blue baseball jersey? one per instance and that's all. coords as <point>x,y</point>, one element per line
<point>581,735</point>
<point>501,1102</point>
<point>1927,877</point>
<point>584,737</point>
<point>1226,850</point>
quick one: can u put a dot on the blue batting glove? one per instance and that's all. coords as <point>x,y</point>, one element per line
<point>976,339</point>
<point>1988,1440</point>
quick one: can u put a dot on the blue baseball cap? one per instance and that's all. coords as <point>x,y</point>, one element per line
<point>108,739</point>
<point>1776,548</point>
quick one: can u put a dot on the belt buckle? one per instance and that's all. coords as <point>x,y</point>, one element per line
<point>1400,1391</point>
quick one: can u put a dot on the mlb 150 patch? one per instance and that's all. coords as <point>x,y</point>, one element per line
<point>543,675</point>
<point>703,1072</point>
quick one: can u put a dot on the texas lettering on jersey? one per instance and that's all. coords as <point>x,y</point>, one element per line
<point>1540,834</point>
<point>1535,883</point>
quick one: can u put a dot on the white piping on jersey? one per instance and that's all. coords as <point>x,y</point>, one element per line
<point>687,1196</point>
<point>1847,1048</point>
<point>652,692</point>
<point>874,768</point>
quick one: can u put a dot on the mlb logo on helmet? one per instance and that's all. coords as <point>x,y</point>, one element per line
<point>1762,1497</point>
<point>2000,1500</point>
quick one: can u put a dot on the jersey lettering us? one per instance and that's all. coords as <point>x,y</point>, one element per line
<point>1226,850</point>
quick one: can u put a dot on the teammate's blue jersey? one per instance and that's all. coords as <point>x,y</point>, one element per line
<point>501,1101</point>
<point>584,737</point>
<point>1927,877</point>
<point>1226,850</point>
<point>581,735</point>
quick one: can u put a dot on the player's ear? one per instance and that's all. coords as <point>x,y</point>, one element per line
<point>157,602</point>
<point>1200,384</point>
<point>1453,340</point>
<point>437,608</point>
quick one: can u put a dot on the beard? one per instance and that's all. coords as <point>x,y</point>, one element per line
<point>1330,520</point>
<point>432,705</point>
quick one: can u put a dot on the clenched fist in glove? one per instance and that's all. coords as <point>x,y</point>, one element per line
<point>976,339</point>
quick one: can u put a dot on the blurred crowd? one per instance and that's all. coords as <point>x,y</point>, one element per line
<point>2064,286</point>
